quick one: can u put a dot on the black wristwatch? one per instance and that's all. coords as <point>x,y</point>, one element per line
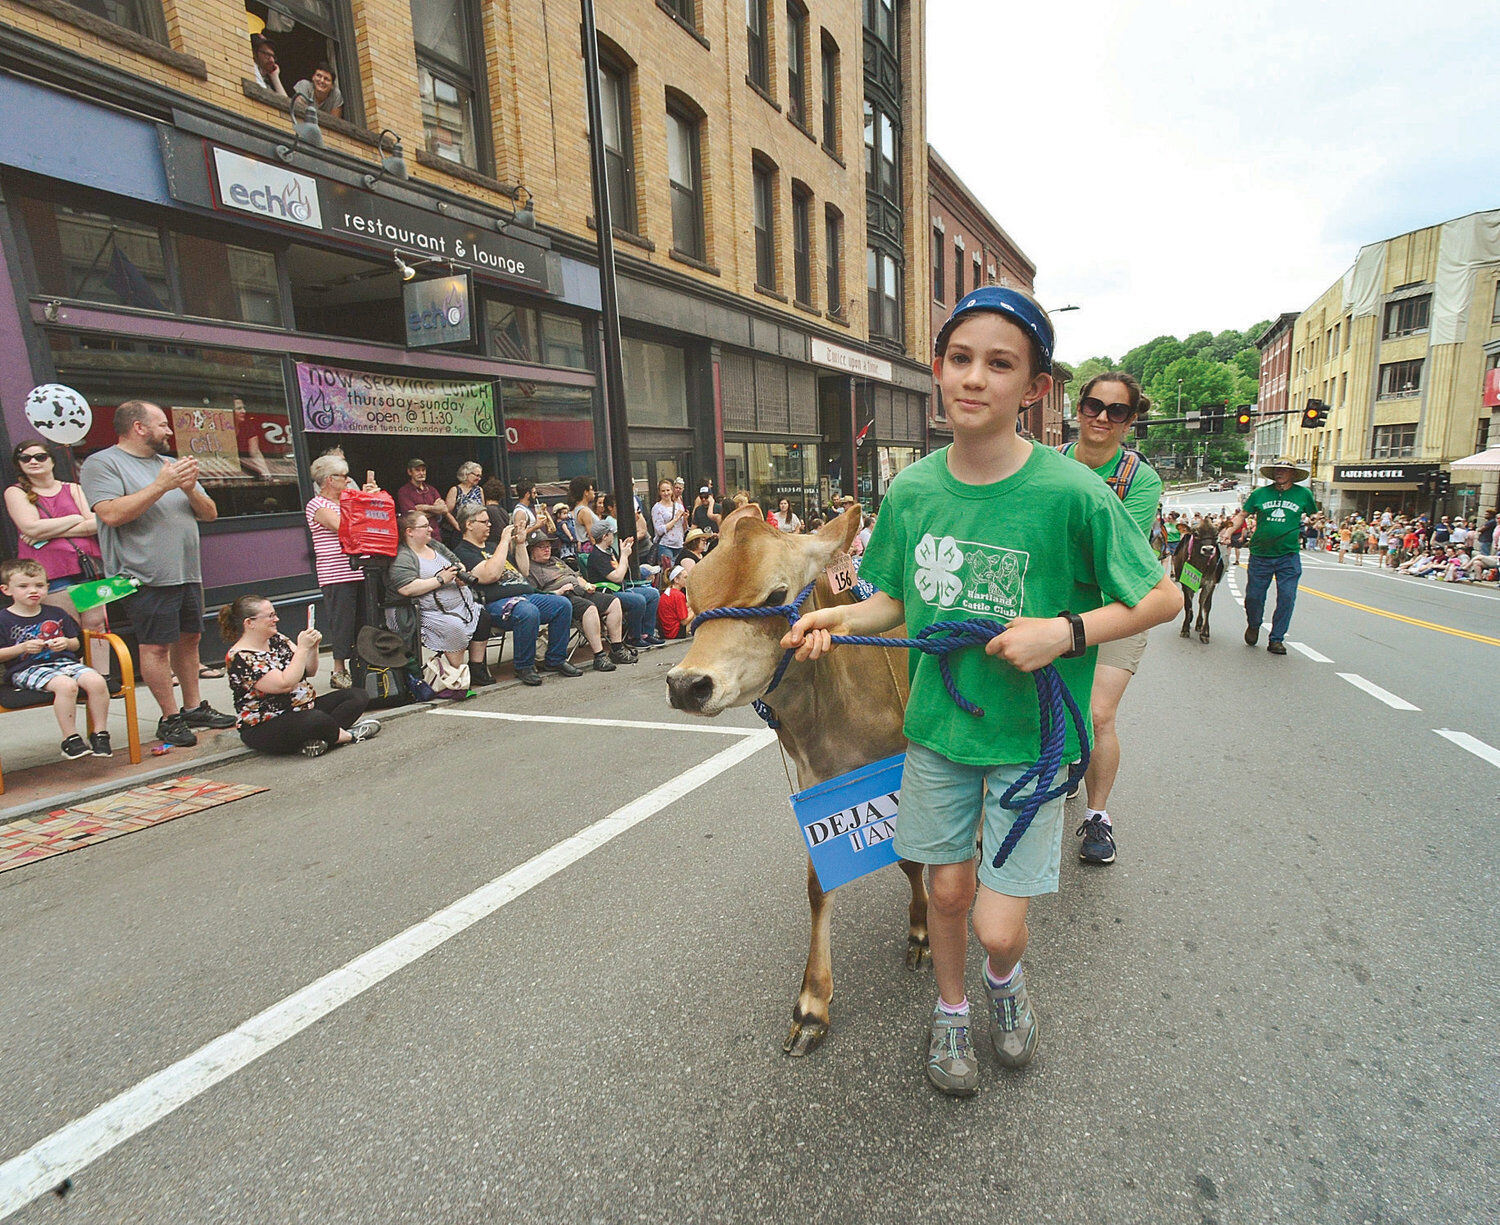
<point>1080,642</point>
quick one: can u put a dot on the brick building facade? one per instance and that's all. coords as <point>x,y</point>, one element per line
<point>169,230</point>
<point>1275,345</point>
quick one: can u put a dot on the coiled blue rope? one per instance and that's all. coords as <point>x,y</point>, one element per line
<point>941,639</point>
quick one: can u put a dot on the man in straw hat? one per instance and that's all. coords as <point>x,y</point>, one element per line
<point>1274,553</point>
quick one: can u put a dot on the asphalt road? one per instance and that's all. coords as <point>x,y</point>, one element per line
<point>1278,1005</point>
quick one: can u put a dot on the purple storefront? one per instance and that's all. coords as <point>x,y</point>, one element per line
<point>277,300</point>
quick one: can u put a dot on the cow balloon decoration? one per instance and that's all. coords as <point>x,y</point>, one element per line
<point>59,414</point>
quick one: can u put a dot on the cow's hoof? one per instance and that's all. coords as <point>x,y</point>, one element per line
<point>1186,633</point>
<point>804,1037</point>
<point>918,952</point>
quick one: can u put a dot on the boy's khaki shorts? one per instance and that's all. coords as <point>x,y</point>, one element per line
<point>942,805</point>
<point>1123,652</point>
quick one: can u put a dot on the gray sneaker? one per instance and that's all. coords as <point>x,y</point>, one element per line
<point>1013,1027</point>
<point>951,1063</point>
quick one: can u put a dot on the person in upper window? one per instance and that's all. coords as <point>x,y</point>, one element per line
<point>267,70</point>
<point>322,91</point>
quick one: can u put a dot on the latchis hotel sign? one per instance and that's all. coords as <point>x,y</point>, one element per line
<point>340,401</point>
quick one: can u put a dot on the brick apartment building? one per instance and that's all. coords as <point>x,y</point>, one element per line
<point>414,274</point>
<point>968,248</point>
<point>1275,345</point>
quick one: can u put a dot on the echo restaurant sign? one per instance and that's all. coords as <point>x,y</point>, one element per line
<point>438,311</point>
<point>338,401</point>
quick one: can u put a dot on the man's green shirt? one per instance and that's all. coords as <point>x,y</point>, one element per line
<point>1051,537</point>
<point>1278,519</point>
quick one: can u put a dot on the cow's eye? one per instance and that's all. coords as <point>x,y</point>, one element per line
<point>777,598</point>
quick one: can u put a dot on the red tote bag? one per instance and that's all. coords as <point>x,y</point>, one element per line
<point>367,523</point>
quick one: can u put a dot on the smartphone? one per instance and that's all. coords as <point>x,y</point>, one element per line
<point>310,616</point>
<point>369,476</point>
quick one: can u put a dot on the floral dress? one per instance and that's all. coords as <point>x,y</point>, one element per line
<point>247,667</point>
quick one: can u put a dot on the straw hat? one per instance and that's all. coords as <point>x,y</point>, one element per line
<point>1269,470</point>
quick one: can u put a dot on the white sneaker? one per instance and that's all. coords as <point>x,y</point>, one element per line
<point>365,729</point>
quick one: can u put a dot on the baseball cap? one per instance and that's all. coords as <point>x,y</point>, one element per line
<point>1015,306</point>
<point>537,536</point>
<point>415,463</point>
<point>704,489</point>
<point>601,529</point>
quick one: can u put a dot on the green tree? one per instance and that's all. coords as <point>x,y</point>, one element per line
<point>1082,373</point>
<point>1248,361</point>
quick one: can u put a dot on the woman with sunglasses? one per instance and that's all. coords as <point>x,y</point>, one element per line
<point>1107,407</point>
<point>54,526</point>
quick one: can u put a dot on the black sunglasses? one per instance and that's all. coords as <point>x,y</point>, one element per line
<point>1090,407</point>
<point>36,455</point>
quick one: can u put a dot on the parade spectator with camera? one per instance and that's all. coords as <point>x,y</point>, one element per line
<point>608,568</point>
<point>450,619</point>
<point>591,608</point>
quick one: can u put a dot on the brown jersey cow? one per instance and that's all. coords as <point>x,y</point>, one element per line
<point>836,714</point>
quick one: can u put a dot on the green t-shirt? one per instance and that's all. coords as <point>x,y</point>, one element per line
<point>1048,538</point>
<point>1278,519</point>
<point>1144,494</point>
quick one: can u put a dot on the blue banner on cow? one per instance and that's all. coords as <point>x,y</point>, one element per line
<point>849,822</point>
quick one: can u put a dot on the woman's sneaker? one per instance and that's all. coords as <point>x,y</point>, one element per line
<point>952,1065</point>
<point>1013,1027</point>
<point>315,748</point>
<point>99,744</point>
<point>73,747</point>
<point>365,729</point>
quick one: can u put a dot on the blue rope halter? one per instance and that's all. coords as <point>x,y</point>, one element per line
<point>942,638</point>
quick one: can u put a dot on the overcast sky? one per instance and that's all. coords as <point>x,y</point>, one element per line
<point>1171,167</point>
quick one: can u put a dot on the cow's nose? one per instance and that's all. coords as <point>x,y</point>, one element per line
<point>689,690</point>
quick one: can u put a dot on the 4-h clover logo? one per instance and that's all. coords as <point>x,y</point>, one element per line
<point>938,562</point>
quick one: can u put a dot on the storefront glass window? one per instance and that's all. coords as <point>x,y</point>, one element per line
<point>510,332</point>
<point>736,470</point>
<point>562,342</point>
<point>783,470</point>
<point>224,282</point>
<point>227,408</point>
<point>892,460</point>
<point>345,295</point>
<point>655,384</point>
<point>97,257</point>
<point>549,430</point>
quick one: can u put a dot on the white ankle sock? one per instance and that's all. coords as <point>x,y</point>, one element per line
<point>953,1010</point>
<point>1098,812</point>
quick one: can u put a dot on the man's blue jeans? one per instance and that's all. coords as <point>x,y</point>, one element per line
<point>1287,571</point>
<point>525,621</point>
<point>638,606</point>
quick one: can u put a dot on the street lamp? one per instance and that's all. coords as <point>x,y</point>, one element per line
<point>1179,397</point>
<point>1057,310</point>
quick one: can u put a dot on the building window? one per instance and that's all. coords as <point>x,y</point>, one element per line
<point>683,9</point>
<point>228,408</point>
<point>656,388</point>
<point>1399,379</point>
<point>765,226</point>
<point>447,82</point>
<point>881,153</point>
<point>796,63</point>
<point>144,17</point>
<point>831,101</point>
<point>802,244</point>
<point>1348,330</point>
<point>833,246</point>
<point>937,265</point>
<point>685,177</point>
<point>549,430</point>
<point>880,20</point>
<point>1394,442</point>
<point>305,34</point>
<point>1495,309</point>
<point>883,277</point>
<point>619,151</point>
<point>1407,317</point>
<point>978,273</point>
<point>755,33</point>
<point>958,272</point>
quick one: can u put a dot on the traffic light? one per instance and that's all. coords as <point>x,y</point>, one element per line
<point>1070,430</point>
<point>1210,418</point>
<point>1244,419</point>
<point>1314,415</point>
<point>1442,483</point>
<point>1140,427</point>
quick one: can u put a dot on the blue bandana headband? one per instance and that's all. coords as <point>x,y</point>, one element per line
<point>1016,307</point>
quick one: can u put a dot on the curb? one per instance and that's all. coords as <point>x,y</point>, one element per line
<point>68,798</point>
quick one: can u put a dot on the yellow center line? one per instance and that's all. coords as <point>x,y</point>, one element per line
<point>1380,612</point>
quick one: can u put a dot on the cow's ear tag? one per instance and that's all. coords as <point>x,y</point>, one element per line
<point>841,574</point>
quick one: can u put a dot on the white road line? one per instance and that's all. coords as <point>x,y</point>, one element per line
<point>1309,652</point>
<point>1466,741</point>
<point>1375,691</point>
<point>571,721</point>
<point>68,1150</point>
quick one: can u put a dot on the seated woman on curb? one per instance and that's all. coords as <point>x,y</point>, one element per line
<point>607,568</point>
<point>450,618</point>
<point>279,710</point>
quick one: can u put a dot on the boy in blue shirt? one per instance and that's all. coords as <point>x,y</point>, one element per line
<point>39,649</point>
<point>992,526</point>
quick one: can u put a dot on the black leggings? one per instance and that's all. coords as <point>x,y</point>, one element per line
<point>287,733</point>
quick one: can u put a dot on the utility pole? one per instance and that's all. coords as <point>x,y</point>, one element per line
<point>614,364</point>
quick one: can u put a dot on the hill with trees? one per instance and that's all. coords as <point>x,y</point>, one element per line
<point>1202,369</point>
